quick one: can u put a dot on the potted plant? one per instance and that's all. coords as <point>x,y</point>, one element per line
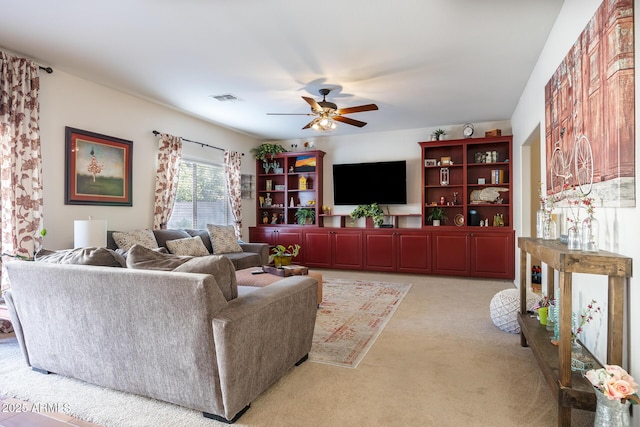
<point>283,255</point>
<point>265,152</point>
<point>372,211</point>
<point>437,215</point>
<point>439,134</point>
<point>305,216</point>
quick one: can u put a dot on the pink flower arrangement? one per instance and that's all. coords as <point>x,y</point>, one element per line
<point>615,383</point>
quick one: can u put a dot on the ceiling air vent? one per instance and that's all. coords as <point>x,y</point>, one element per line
<point>227,97</point>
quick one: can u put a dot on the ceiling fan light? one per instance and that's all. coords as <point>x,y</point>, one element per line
<point>325,124</point>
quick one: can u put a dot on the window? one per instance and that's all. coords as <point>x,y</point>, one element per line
<point>202,197</point>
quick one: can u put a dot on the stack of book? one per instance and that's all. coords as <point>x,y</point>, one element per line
<point>497,176</point>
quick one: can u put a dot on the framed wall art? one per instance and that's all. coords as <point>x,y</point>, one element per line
<point>247,185</point>
<point>97,169</point>
<point>590,112</point>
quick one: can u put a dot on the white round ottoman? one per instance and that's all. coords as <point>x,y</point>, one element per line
<point>505,306</point>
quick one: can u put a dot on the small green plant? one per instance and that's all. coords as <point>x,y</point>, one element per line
<point>283,255</point>
<point>439,132</point>
<point>291,250</point>
<point>372,211</point>
<point>266,151</point>
<point>437,214</point>
<point>304,214</point>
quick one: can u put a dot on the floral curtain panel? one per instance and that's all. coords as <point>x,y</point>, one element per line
<point>21,161</point>
<point>169,155</point>
<point>232,165</point>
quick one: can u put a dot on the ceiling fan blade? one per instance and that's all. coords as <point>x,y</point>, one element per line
<point>310,124</point>
<point>349,121</point>
<point>314,105</point>
<point>290,114</point>
<point>358,109</point>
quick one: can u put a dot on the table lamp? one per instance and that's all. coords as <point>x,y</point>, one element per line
<point>89,233</point>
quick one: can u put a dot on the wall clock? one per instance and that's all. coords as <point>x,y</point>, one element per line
<point>467,130</point>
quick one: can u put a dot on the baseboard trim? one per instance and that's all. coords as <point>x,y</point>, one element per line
<point>225,420</point>
<point>304,359</point>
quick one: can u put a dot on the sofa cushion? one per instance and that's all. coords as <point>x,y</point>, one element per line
<point>218,266</point>
<point>204,235</point>
<point>168,234</point>
<point>242,260</point>
<point>126,239</point>
<point>191,246</point>
<point>143,258</point>
<point>223,239</point>
<point>82,256</point>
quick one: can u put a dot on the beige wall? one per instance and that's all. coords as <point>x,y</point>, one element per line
<point>618,226</point>
<point>69,101</point>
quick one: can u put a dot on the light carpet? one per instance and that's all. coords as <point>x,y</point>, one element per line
<point>349,320</point>
<point>351,317</point>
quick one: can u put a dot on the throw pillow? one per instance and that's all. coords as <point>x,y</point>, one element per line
<point>168,234</point>
<point>204,235</point>
<point>143,258</point>
<point>82,256</point>
<point>192,246</point>
<point>220,267</point>
<point>126,239</point>
<point>223,239</point>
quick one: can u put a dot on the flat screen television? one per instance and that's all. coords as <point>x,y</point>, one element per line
<point>384,183</point>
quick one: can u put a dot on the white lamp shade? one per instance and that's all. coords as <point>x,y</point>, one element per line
<point>90,233</point>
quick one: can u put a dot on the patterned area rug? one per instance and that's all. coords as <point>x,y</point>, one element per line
<point>350,318</point>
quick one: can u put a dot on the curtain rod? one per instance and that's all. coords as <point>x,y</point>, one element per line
<point>202,144</point>
<point>49,70</point>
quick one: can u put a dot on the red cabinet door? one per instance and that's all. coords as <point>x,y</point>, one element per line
<point>263,235</point>
<point>450,253</point>
<point>414,252</point>
<point>347,249</point>
<point>317,245</point>
<point>379,250</point>
<point>493,255</point>
<point>278,236</point>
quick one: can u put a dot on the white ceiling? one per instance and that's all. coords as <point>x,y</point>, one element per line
<point>425,63</point>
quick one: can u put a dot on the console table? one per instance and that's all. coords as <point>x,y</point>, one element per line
<point>569,388</point>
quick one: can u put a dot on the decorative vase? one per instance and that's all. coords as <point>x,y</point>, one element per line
<point>573,240</point>
<point>279,261</point>
<point>580,360</point>
<point>550,228</point>
<point>551,318</point>
<point>590,230</point>
<point>611,413</point>
<point>542,315</point>
<point>540,222</point>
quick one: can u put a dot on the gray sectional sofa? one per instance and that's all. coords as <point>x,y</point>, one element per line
<point>170,335</point>
<point>252,255</point>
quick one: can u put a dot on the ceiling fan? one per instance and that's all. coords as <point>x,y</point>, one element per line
<point>328,113</point>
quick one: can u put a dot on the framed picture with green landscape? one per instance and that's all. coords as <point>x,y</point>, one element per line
<point>97,169</point>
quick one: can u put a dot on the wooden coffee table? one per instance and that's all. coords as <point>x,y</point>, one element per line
<point>245,277</point>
